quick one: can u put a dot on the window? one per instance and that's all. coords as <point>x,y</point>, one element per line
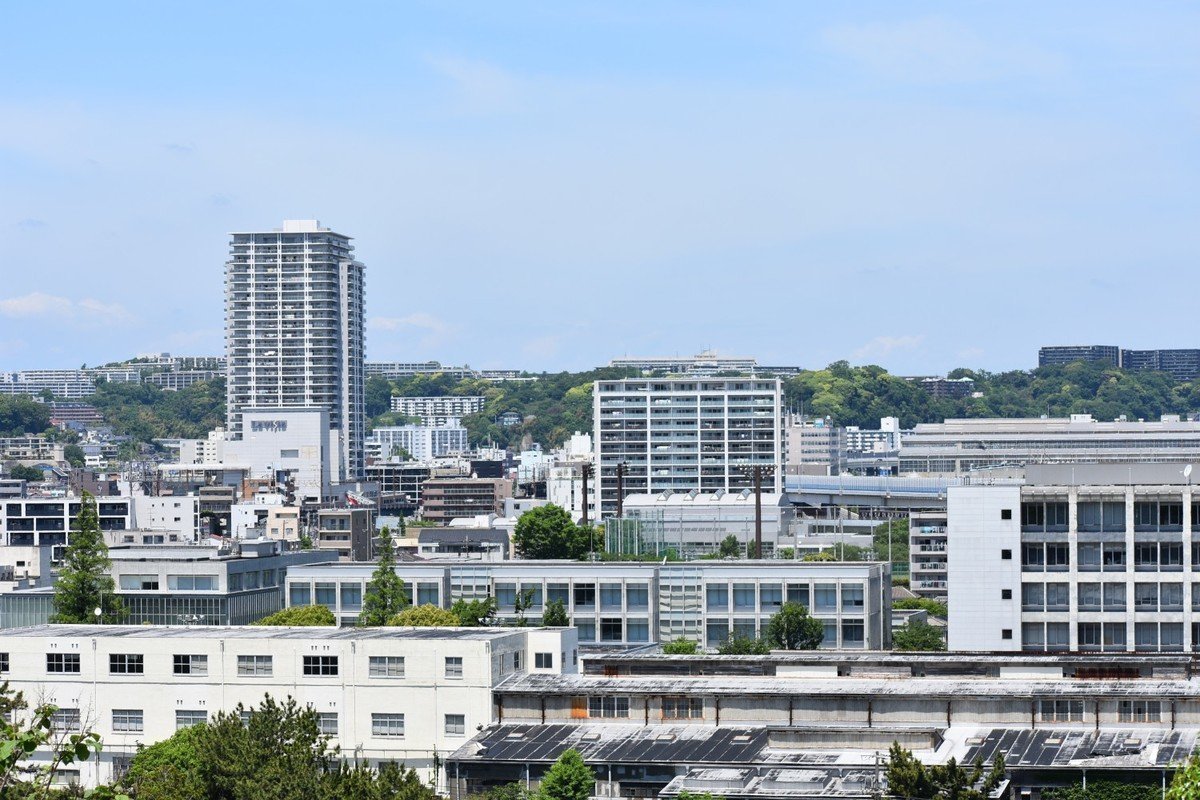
<point>1170,597</point>
<point>1145,555</point>
<point>139,583</point>
<point>637,596</point>
<point>586,630</point>
<point>256,666</point>
<point>300,594</point>
<point>327,722</point>
<point>717,596</point>
<point>1089,556</point>
<point>125,664</point>
<point>1145,597</point>
<point>385,666</point>
<point>716,633</point>
<point>682,708</point>
<point>1089,635</point>
<point>1006,513</point>
<point>1058,556</point>
<point>543,660</point>
<point>585,595</point>
<point>387,725</point>
<point>1033,557</point>
<point>320,665</point>
<point>852,598</point>
<point>1145,636</point>
<point>456,724</point>
<point>1114,636</point>
<point>1060,710</point>
<point>798,593</point>
<point>186,719</point>
<point>610,597</point>
<point>611,629</point>
<point>1139,711</point>
<point>190,583</point>
<point>454,666</point>
<point>560,592</point>
<point>770,597</point>
<point>608,707</point>
<point>1058,636</point>
<point>1113,554</point>
<point>66,719</point>
<point>190,665</point>
<point>1033,596</point>
<point>825,597</point>
<point>62,662</point>
<point>506,595</point>
<point>351,596</point>
<point>1170,636</point>
<point>1170,555</point>
<point>127,720</point>
<point>1058,597</point>
<point>1006,594</point>
<point>853,633</point>
<point>326,594</point>
<point>1089,597</point>
<point>1006,555</point>
<point>1006,633</point>
<point>1033,636</point>
<point>744,597</point>
<point>637,630</point>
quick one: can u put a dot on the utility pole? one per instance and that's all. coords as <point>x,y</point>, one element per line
<point>757,472</point>
<point>586,472</point>
<point>620,490</point>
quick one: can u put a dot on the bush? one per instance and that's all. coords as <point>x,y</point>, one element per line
<point>300,616</point>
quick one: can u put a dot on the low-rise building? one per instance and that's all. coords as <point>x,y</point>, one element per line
<point>445,499</point>
<point>346,533</point>
<point>407,695</point>
<point>417,442</point>
<point>690,524</point>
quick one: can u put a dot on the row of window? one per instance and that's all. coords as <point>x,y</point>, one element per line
<point>1148,636</point>
<point>1106,596</point>
<point>184,583</point>
<point>247,665</point>
<point>617,707</point>
<point>1111,556</point>
<point>1072,711</point>
<point>132,720</point>
<point>1092,516</point>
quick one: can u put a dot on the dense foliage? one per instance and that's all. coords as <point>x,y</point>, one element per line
<point>791,628</point>
<point>909,778</point>
<point>24,733</point>
<point>555,615</point>
<point>568,778</point>
<point>425,616</point>
<point>275,751</point>
<point>145,412</point>
<point>1185,786</point>
<point>20,415</point>
<point>918,635</point>
<point>681,647</point>
<point>84,583</point>
<point>300,616</point>
<point>549,532</point>
<point>1109,790</point>
<point>385,596</point>
<point>935,608</point>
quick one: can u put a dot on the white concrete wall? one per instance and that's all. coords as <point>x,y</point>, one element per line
<point>978,539</point>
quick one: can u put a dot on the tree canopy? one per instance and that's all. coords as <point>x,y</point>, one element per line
<point>20,415</point>
<point>555,615</point>
<point>909,778</point>
<point>681,647</point>
<point>549,532</point>
<point>791,628</point>
<point>426,616</point>
<point>300,616</point>
<point>474,613</point>
<point>385,596</point>
<point>568,778</point>
<point>737,645</point>
<point>918,635</point>
<point>84,583</point>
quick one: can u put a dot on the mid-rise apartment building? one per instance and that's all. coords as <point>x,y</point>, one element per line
<point>630,603</point>
<point>294,333</point>
<point>183,378</point>
<point>927,540</point>
<point>815,447</point>
<point>432,408</point>
<point>707,362</point>
<point>1182,363</point>
<point>382,694</point>
<point>1064,354</point>
<point>346,533</point>
<point>444,499</point>
<point>964,445</point>
<point>702,434</point>
<point>1084,557</point>
<point>420,442</point>
<point>397,370</point>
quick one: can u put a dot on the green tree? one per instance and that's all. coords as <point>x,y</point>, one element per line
<point>20,415</point>
<point>1186,784</point>
<point>21,734</point>
<point>681,647</point>
<point>791,628</point>
<point>426,616</point>
<point>298,616</point>
<point>549,532</point>
<point>84,583</point>
<point>523,602</point>
<point>474,613</point>
<point>918,635</point>
<point>21,472</point>
<point>730,547</point>
<point>1110,790</point>
<point>737,645</point>
<point>908,778</point>
<point>935,608</point>
<point>74,455</point>
<point>555,615</point>
<point>378,395</point>
<point>823,555</point>
<point>568,778</point>
<point>169,769</point>
<point>385,596</point>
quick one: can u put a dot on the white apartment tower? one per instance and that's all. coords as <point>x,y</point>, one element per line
<point>294,332</point>
<point>686,434</point>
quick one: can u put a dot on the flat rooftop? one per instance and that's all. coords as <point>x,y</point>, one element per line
<point>252,632</point>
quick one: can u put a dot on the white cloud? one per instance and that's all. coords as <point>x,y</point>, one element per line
<point>883,346</point>
<point>436,331</point>
<point>40,304</point>
<point>937,50</point>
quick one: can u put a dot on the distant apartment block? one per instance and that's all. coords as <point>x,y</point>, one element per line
<point>815,447</point>
<point>68,384</point>
<point>952,388</point>
<point>438,408</point>
<point>347,533</point>
<point>83,413</point>
<point>927,554</point>
<point>685,434</point>
<point>398,370</point>
<point>420,442</point>
<point>705,363</point>
<point>400,484</point>
<point>1065,354</point>
<point>963,445</point>
<point>452,498</point>
<point>182,379</point>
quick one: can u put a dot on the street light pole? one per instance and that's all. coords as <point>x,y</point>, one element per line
<point>586,472</point>
<point>757,472</point>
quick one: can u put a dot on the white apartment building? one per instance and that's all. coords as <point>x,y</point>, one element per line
<point>1081,557</point>
<point>40,521</point>
<point>635,603</point>
<point>963,445</point>
<point>433,408</point>
<point>684,434</point>
<point>815,447</point>
<point>397,370</point>
<point>294,333</point>
<point>183,378</point>
<point>707,362</point>
<point>383,694</point>
<point>69,384</point>
<point>422,442</point>
<point>209,450</point>
<point>884,440</point>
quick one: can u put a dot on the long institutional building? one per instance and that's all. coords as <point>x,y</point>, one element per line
<point>685,434</point>
<point>615,604</point>
<point>294,341</point>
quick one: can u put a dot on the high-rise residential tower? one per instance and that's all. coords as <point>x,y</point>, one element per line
<point>294,336</point>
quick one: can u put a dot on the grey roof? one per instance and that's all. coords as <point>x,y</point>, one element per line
<point>750,685</point>
<point>253,632</point>
<point>1106,749</point>
<point>695,744</point>
<point>462,536</point>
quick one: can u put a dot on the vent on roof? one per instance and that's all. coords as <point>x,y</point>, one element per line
<point>1133,744</point>
<point>590,737</point>
<point>741,738</point>
<point>665,737</point>
<point>1055,740</point>
<point>516,735</point>
<point>975,740</point>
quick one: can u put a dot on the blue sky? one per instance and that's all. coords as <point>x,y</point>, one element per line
<point>549,185</point>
